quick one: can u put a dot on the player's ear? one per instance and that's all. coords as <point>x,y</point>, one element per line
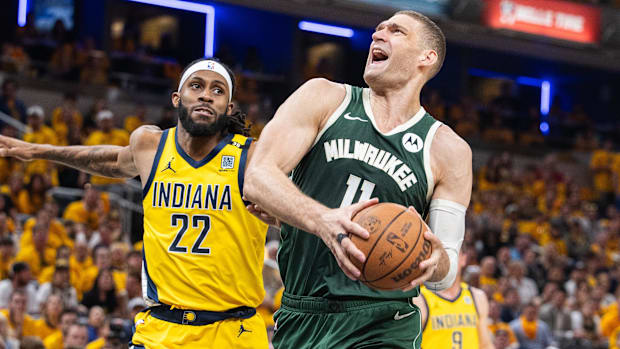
<point>176,97</point>
<point>428,58</point>
<point>229,108</point>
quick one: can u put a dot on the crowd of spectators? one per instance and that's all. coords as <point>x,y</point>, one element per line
<point>544,244</point>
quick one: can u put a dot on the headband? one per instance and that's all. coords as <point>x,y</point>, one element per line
<point>212,66</point>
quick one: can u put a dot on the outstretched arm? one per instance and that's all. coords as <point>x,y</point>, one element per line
<point>102,160</point>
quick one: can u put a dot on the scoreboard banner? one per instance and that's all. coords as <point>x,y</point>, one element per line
<point>552,18</point>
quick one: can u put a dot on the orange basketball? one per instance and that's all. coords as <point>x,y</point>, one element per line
<point>395,248</point>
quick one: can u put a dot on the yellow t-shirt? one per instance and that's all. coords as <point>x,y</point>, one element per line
<point>96,344</point>
<point>60,126</point>
<point>29,204</point>
<point>503,326</point>
<point>615,169</point>
<point>132,122</point>
<point>44,330</point>
<point>602,180</point>
<point>77,212</point>
<point>31,256</point>
<point>57,235</point>
<point>54,341</point>
<point>114,137</point>
<point>29,327</point>
<point>609,323</point>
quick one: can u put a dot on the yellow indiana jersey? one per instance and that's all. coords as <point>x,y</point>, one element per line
<point>202,249</point>
<point>451,323</point>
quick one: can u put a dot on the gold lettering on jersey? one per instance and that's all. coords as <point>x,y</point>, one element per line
<point>192,196</point>
<point>450,321</point>
<point>379,158</point>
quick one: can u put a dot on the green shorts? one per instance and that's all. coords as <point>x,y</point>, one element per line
<point>319,323</point>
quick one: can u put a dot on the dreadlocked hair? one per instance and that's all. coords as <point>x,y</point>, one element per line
<point>236,123</point>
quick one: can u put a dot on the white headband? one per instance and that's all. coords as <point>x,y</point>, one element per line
<point>212,66</point>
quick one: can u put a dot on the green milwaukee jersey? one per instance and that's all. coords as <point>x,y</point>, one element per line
<point>351,161</point>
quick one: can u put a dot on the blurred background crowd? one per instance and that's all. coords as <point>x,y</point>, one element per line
<point>543,226</point>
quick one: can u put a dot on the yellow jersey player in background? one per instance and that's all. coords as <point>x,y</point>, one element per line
<point>455,318</point>
<point>203,250</point>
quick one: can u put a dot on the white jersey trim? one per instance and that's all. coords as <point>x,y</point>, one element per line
<point>336,114</point>
<point>428,141</point>
<point>400,128</point>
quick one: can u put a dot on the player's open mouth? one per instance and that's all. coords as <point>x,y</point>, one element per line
<point>378,56</point>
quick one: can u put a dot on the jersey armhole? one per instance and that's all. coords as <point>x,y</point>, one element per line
<point>241,173</point>
<point>428,141</point>
<point>160,149</point>
<point>428,311</point>
<point>336,114</point>
<point>473,298</point>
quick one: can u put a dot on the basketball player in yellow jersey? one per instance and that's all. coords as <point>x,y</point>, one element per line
<point>203,250</point>
<point>455,318</point>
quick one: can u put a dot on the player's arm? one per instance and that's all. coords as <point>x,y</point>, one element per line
<point>482,305</point>
<point>102,160</point>
<point>451,165</point>
<point>283,143</point>
<point>421,303</point>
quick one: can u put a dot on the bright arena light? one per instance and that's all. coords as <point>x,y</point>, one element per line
<point>545,97</point>
<point>326,29</point>
<point>208,11</point>
<point>21,12</point>
<point>544,127</point>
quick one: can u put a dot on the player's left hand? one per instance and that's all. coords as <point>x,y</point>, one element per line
<point>429,265</point>
<point>263,215</point>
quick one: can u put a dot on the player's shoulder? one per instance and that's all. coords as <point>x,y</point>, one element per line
<point>450,147</point>
<point>327,92</point>
<point>146,136</point>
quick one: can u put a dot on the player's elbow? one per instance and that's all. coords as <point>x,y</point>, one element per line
<point>252,183</point>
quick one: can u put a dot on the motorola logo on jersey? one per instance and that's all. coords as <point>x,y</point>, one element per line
<point>412,142</point>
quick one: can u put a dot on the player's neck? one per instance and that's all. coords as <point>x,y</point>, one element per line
<point>197,147</point>
<point>452,291</point>
<point>393,107</point>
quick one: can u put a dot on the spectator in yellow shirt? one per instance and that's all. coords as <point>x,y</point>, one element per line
<point>57,232</point>
<point>66,118</point>
<point>106,134</point>
<point>39,255</point>
<point>20,323</point>
<point>89,210</point>
<point>31,200</point>
<point>101,255</point>
<point>610,321</point>
<point>39,133</point>
<point>49,322</point>
<point>600,164</point>
<point>56,340</point>
<point>136,120</point>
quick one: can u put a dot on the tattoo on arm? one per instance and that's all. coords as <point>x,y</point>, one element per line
<point>98,160</point>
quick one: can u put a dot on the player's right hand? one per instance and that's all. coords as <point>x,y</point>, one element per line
<point>11,147</point>
<point>338,221</point>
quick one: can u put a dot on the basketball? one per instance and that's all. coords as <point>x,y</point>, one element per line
<point>395,247</point>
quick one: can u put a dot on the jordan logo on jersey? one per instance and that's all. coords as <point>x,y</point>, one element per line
<point>242,330</point>
<point>169,167</point>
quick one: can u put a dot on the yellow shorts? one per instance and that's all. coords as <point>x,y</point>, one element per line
<point>230,333</point>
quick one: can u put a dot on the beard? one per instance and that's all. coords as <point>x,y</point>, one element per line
<point>197,129</point>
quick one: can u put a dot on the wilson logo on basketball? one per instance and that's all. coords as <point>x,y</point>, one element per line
<point>426,249</point>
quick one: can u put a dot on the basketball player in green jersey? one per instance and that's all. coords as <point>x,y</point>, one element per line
<point>345,145</point>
